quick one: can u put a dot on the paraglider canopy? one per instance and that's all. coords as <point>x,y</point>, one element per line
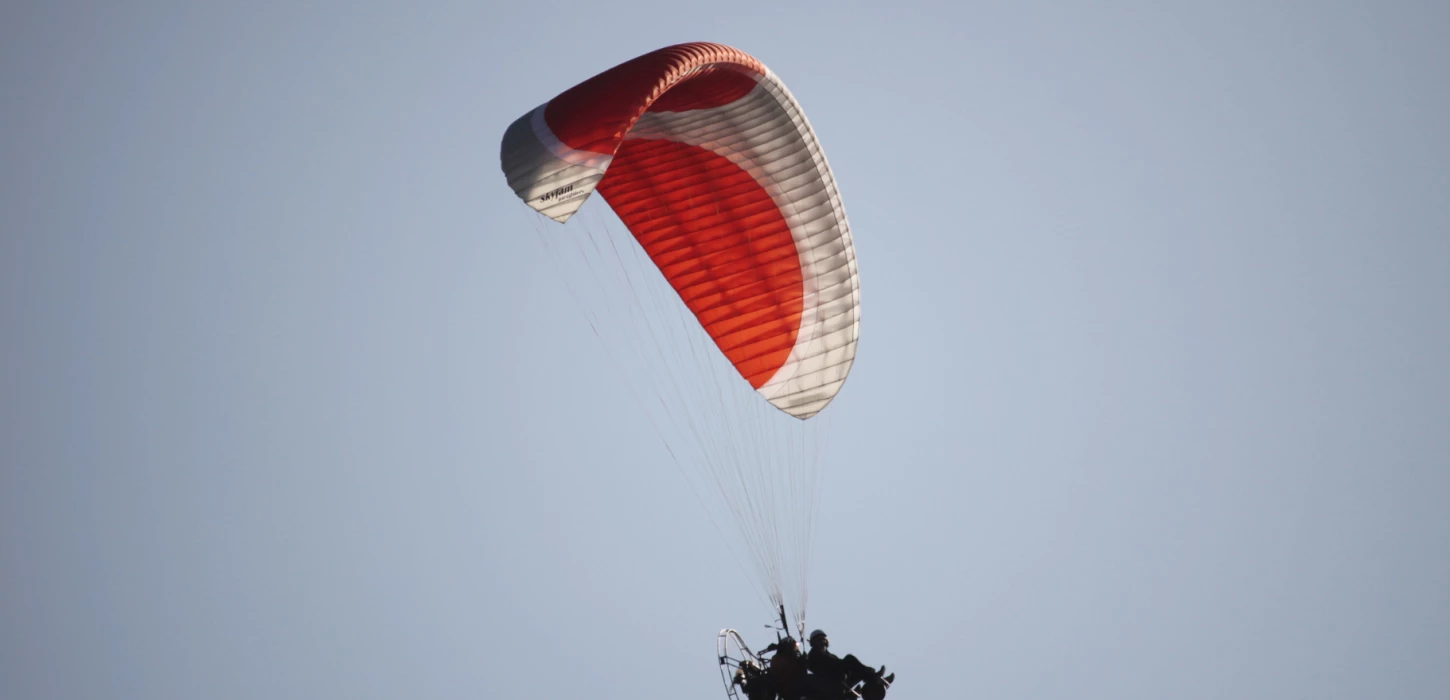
<point>710,163</point>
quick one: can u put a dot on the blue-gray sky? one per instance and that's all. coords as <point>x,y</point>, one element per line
<point>1152,399</point>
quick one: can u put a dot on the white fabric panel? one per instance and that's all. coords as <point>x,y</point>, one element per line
<point>549,176</point>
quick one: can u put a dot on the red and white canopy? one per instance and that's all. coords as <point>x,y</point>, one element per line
<point>711,164</point>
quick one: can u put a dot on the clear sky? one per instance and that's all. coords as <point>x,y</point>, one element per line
<point>1152,398</point>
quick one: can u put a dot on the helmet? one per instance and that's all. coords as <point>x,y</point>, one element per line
<point>787,643</point>
<point>817,637</point>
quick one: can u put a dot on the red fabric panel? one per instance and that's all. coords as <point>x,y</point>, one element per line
<point>721,242</point>
<point>595,114</point>
<point>710,87</point>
